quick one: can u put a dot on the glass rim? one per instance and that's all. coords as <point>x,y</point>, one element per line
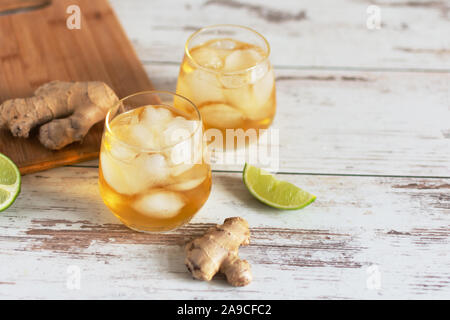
<point>188,54</point>
<point>144,149</point>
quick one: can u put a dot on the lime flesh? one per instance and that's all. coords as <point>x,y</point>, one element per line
<point>9,182</point>
<point>275,193</point>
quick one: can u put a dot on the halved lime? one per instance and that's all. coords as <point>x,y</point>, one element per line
<point>275,193</point>
<point>9,182</point>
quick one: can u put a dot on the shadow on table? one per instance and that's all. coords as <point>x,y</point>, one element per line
<point>240,196</point>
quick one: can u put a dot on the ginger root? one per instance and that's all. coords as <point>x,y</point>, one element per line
<point>217,250</point>
<point>79,104</point>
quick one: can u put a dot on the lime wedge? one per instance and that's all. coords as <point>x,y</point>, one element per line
<point>278,194</point>
<point>9,182</point>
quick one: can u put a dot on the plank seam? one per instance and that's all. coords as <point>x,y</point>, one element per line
<point>311,173</point>
<point>327,68</point>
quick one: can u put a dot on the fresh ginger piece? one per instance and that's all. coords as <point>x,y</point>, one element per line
<point>22,115</point>
<point>217,251</point>
<point>66,111</point>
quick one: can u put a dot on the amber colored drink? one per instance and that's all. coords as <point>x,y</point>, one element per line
<point>152,174</point>
<point>230,81</point>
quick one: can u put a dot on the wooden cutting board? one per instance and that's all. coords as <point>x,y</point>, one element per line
<point>36,47</point>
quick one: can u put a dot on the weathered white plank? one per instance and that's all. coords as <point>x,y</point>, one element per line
<point>347,122</point>
<point>402,226</point>
<point>319,33</point>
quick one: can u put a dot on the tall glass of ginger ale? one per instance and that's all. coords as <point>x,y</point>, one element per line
<point>226,72</point>
<point>152,172</point>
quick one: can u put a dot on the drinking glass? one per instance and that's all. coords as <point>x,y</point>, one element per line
<point>152,173</point>
<point>226,72</point>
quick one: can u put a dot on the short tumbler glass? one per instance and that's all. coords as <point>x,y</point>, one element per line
<point>226,72</point>
<point>152,174</point>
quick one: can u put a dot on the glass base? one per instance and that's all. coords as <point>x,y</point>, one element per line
<point>138,229</point>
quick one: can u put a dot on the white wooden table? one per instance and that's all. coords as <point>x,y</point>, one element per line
<point>364,120</point>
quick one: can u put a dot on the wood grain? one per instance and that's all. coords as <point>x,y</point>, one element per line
<point>13,5</point>
<point>37,47</point>
<point>323,251</point>
<point>311,33</point>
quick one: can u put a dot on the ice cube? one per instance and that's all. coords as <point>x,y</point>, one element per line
<point>207,57</point>
<point>125,119</point>
<point>115,143</point>
<point>120,151</point>
<point>191,178</point>
<point>223,47</point>
<point>249,107</point>
<point>241,98</point>
<point>203,86</point>
<point>198,171</point>
<point>186,185</point>
<point>234,81</point>
<point>137,175</point>
<point>262,89</point>
<point>180,153</point>
<point>161,204</point>
<point>142,136</point>
<point>120,175</point>
<point>155,116</point>
<point>180,169</point>
<point>195,157</point>
<point>242,59</point>
<point>153,167</point>
<point>178,130</point>
<point>112,176</point>
<point>221,115</point>
<point>181,134</point>
<point>226,44</point>
<point>255,103</point>
<point>253,100</point>
<point>120,132</point>
<point>134,119</point>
